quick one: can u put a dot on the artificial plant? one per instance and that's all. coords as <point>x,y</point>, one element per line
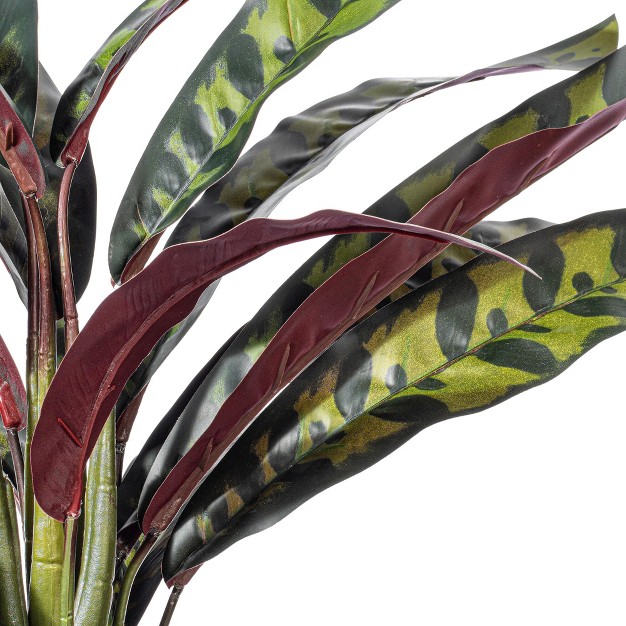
<point>394,325</point>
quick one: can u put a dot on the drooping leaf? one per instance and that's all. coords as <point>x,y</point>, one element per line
<point>149,576</point>
<point>303,145</point>
<point>205,129</point>
<point>83,97</point>
<point>489,233</point>
<point>130,487</point>
<point>412,364</point>
<point>130,321</point>
<point>19,56</point>
<point>83,198</point>
<point>572,114</point>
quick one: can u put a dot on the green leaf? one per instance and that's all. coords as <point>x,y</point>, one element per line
<point>205,129</point>
<point>303,145</point>
<point>83,97</point>
<point>149,576</point>
<point>410,365</point>
<point>18,55</point>
<point>431,193</point>
<point>13,248</point>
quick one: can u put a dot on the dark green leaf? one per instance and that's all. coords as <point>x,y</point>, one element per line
<point>18,55</point>
<point>303,145</point>
<point>83,97</point>
<point>343,415</point>
<point>202,134</point>
<point>452,181</point>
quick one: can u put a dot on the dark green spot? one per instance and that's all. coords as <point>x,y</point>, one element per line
<point>455,317</point>
<point>284,49</point>
<point>395,378</point>
<point>412,409</point>
<point>497,322</point>
<point>317,432</point>
<point>549,262</point>
<point>582,282</point>
<point>430,384</point>
<point>328,8</point>
<point>521,354</point>
<point>227,117</point>
<point>597,306</point>
<point>568,56</point>
<point>618,251</point>
<point>245,66</point>
<point>534,328</point>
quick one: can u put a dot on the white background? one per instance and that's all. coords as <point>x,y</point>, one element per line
<point>512,516</point>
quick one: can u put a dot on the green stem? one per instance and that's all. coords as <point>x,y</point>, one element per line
<point>48,537</point>
<point>12,600</point>
<point>32,349</point>
<point>95,584</point>
<point>171,605</point>
<point>67,573</point>
<point>129,577</point>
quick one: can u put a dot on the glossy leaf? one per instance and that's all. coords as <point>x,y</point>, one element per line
<point>130,321</point>
<point>134,478</point>
<point>412,364</point>
<point>13,248</point>
<point>83,97</point>
<point>205,129</point>
<point>455,191</point>
<point>83,198</point>
<point>303,145</point>
<point>149,576</point>
<point>25,162</point>
<point>18,55</point>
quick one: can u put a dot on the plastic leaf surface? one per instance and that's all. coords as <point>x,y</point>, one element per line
<point>83,97</point>
<point>444,194</point>
<point>303,145</point>
<point>205,129</point>
<point>130,321</point>
<point>412,364</point>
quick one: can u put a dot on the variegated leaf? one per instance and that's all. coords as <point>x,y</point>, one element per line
<point>432,193</point>
<point>130,321</point>
<point>205,129</point>
<point>303,145</point>
<point>410,365</point>
<point>83,97</point>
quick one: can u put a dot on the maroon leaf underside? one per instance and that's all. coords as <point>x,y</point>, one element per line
<point>77,142</point>
<point>128,324</point>
<point>22,143</point>
<point>361,284</point>
<point>12,391</point>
